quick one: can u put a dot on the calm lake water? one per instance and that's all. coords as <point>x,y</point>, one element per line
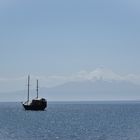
<point>71,121</point>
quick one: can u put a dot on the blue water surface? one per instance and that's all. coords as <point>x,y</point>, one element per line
<point>71,121</point>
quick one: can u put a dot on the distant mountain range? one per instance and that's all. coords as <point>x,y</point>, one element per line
<point>93,90</point>
<point>87,90</point>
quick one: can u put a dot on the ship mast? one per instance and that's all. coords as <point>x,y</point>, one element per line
<point>28,88</point>
<point>37,89</point>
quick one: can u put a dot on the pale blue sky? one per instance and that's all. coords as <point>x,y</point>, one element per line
<point>56,37</point>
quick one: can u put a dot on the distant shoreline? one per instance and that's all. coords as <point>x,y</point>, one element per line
<point>86,102</point>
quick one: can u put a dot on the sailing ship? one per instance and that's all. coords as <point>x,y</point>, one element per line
<point>37,103</point>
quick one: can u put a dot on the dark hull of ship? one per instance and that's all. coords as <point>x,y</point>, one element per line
<point>35,108</point>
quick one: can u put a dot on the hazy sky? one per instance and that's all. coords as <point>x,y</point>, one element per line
<point>61,37</point>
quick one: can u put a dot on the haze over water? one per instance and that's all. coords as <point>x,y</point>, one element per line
<point>63,41</point>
